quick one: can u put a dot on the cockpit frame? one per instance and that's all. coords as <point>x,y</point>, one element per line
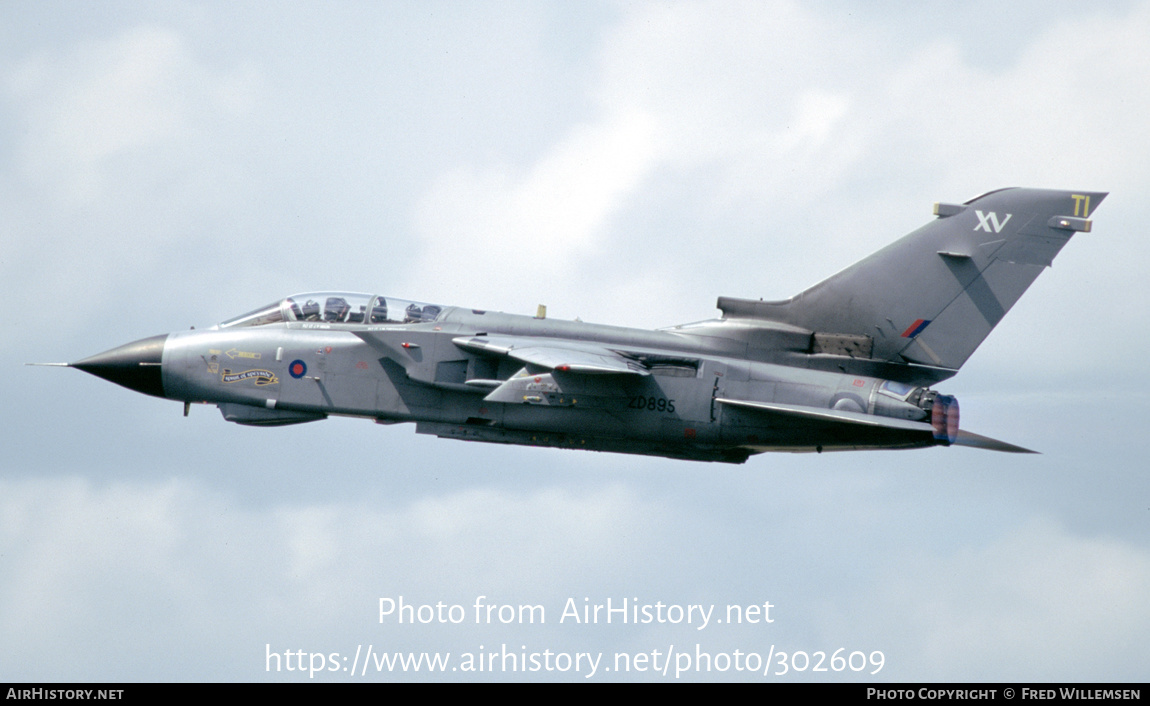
<point>338,308</point>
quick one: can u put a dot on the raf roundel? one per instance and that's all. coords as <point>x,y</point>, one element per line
<point>297,369</point>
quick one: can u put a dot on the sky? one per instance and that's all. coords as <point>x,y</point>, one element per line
<point>166,165</point>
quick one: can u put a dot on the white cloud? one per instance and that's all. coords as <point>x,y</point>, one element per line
<point>138,92</point>
<point>1037,603</point>
<point>202,578</point>
<point>122,146</point>
<point>522,232</point>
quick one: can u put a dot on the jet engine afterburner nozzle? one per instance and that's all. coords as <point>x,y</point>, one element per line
<point>136,366</point>
<point>944,419</point>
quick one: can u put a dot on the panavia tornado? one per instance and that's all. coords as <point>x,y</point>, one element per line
<point>846,364</point>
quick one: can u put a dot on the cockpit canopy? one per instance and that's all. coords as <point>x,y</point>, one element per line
<point>338,308</point>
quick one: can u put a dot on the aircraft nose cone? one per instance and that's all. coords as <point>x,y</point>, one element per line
<point>135,365</point>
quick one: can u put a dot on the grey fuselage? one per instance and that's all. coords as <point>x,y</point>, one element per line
<point>416,373</point>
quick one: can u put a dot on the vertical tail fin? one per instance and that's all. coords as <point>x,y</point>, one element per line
<point>933,296</point>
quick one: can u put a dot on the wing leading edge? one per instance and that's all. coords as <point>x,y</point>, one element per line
<point>562,356</point>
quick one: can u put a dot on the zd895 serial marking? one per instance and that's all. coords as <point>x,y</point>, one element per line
<point>652,404</point>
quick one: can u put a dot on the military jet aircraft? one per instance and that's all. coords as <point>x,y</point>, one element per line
<point>846,364</point>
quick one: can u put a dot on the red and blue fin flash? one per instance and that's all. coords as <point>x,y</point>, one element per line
<point>916,328</point>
